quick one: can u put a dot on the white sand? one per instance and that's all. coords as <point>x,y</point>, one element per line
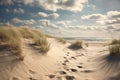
<point>60,63</point>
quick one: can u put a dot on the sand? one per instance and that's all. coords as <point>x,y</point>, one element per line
<point>60,63</point>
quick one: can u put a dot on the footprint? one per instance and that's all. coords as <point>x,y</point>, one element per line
<point>80,66</point>
<point>69,77</point>
<point>63,63</point>
<point>51,76</point>
<point>74,70</point>
<point>31,78</point>
<point>87,71</point>
<point>65,57</point>
<point>67,54</point>
<point>66,61</point>
<point>73,57</point>
<point>62,72</point>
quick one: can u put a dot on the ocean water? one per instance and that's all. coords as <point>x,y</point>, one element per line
<point>88,38</point>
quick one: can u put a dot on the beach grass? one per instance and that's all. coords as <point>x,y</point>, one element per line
<point>10,36</point>
<point>76,45</point>
<point>62,40</point>
<point>39,38</point>
<point>114,47</point>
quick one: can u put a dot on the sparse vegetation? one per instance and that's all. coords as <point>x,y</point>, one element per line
<point>61,40</point>
<point>115,41</point>
<point>76,45</point>
<point>26,32</point>
<point>42,43</point>
<point>38,37</point>
<point>49,36</point>
<point>114,48</point>
<point>11,37</point>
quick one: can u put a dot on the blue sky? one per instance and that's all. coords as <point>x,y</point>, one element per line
<point>94,18</point>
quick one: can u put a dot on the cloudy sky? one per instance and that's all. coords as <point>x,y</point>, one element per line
<point>83,18</point>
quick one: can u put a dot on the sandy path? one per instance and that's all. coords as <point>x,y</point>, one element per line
<point>80,65</point>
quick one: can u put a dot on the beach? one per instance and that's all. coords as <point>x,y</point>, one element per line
<point>60,63</point>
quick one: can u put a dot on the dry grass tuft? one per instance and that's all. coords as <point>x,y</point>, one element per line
<point>76,45</point>
<point>114,48</point>
<point>115,41</point>
<point>38,38</point>
<point>41,41</point>
<point>9,36</point>
<point>61,40</point>
<point>26,32</point>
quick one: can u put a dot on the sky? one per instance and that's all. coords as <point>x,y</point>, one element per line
<point>65,18</point>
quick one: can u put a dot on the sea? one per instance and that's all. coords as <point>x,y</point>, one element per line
<point>88,38</point>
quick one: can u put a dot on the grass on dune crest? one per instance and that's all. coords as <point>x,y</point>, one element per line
<point>10,37</point>
<point>38,38</point>
<point>76,45</point>
<point>26,32</point>
<point>61,40</point>
<point>114,48</point>
<point>41,41</point>
<point>57,38</point>
<point>115,41</point>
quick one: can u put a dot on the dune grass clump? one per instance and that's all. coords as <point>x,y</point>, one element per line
<point>115,41</point>
<point>114,48</point>
<point>10,37</point>
<point>41,41</point>
<point>61,40</point>
<point>38,38</point>
<point>76,45</point>
<point>26,32</point>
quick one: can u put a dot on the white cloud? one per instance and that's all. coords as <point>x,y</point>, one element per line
<point>111,18</point>
<point>6,2</point>
<point>66,23</point>
<point>71,5</point>
<point>19,10</point>
<point>113,14</point>
<point>6,24</point>
<point>61,23</point>
<point>47,23</point>
<point>93,17</point>
<point>53,5</point>
<point>42,14</point>
<point>23,22</point>
<point>44,22</point>
<point>53,15</point>
<point>28,1</point>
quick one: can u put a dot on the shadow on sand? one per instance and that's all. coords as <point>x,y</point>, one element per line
<point>111,66</point>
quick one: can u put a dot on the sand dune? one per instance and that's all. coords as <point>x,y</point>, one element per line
<point>60,63</point>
